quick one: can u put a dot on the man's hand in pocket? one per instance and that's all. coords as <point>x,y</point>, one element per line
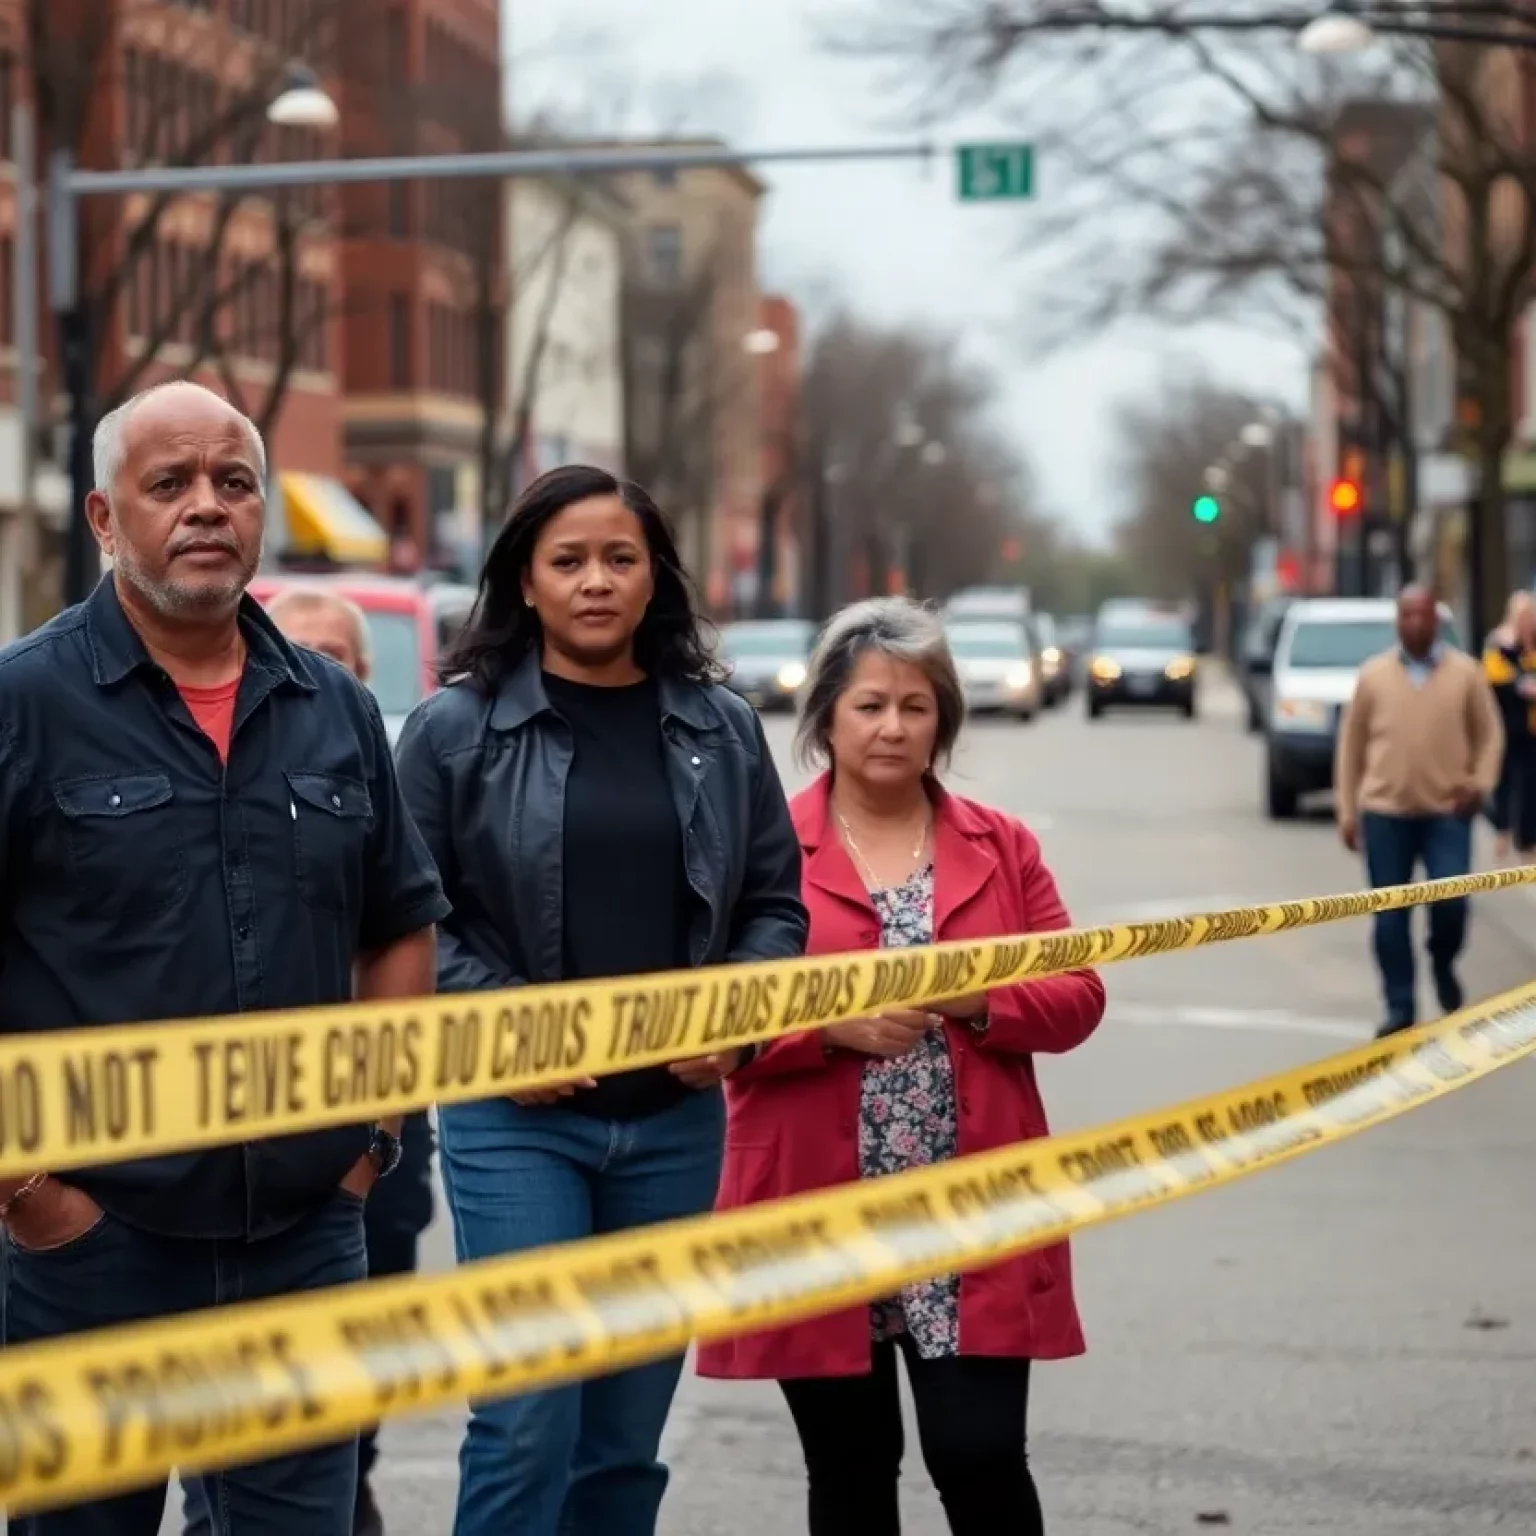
<point>52,1216</point>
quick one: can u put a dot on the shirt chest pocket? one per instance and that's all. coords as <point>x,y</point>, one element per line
<point>332,817</point>
<point>127,853</point>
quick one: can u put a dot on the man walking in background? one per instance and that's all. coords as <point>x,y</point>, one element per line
<point>1419,752</point>
<point>399,1208</point>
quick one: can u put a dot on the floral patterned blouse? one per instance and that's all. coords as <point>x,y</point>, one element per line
<point>908,1119</point>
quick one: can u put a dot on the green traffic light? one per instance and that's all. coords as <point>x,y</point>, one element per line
<point>1206,509</point>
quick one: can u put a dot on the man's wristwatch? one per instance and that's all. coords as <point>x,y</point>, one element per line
<point>384,1149</point>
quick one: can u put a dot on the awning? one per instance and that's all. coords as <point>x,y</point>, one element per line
<point>325,519</point>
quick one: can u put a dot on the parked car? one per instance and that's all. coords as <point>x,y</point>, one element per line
<point>1142,655</point>
<point>999,666</point>
<point>1256,659</point>
<point>410,626</point>
<point>1055,673</point>
<point>1322,643</point>
<point>767,659</point>
<point>988,603</point>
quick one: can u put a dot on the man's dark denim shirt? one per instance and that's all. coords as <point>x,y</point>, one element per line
<point>143,879</point>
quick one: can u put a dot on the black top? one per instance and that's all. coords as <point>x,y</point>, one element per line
<point>625,904</point>
<point>141,879</point>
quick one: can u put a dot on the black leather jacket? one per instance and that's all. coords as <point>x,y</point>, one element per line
<point>485,781</point>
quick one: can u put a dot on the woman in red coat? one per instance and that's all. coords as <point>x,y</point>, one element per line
<point>892,859</point>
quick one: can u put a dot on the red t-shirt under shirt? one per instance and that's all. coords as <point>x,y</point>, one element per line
<point>214,711</point>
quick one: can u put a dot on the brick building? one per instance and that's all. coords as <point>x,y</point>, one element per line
<point>200,287</point>
<point>422,267</point>
<point>240,296</point>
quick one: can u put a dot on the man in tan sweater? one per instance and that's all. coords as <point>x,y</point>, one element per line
<point>1419,753</point>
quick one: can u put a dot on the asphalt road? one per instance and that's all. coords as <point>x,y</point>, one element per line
<point>1346,1345</point>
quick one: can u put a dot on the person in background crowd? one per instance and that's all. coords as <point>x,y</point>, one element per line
<point>399,1208</point>
<point>1509,660</point>
<point>196,818</point>
<point>597,807</point>
<point>1418,754</point>
<point>893,859</point>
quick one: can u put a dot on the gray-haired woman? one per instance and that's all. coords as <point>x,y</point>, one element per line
<point>891,858</point>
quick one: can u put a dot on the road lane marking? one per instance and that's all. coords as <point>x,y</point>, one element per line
<point>1159,908</point>
<point>1162,1015</point>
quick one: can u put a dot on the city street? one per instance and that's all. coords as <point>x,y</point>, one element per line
<point>1344,1346</point>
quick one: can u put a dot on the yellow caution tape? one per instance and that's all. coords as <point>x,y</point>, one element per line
<point>101,1412</point>
<point>86,1096</point>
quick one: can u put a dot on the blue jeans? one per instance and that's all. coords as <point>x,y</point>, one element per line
<point>117,1274</point>
<point>579,1460</point>
<point>398,1209</point>
<point>1394,847</point>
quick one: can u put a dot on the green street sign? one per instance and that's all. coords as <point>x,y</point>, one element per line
<point>990,173</point>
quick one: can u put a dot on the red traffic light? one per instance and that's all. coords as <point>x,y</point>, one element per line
<point>1344,498</point>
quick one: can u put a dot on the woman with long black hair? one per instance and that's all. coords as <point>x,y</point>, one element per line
<point>597,806</point>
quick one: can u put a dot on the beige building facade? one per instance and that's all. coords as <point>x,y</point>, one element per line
<point>692,381</point>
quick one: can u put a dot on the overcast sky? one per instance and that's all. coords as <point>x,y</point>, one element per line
<point>888,238</point>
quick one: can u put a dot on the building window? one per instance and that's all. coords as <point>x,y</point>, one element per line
<point>7,282</point>
<point>399,341</point>
<point>398,59</point>
<point>664,253</point>
<point>399,194</point>
<point>7,102</point>
<point>312,321</point>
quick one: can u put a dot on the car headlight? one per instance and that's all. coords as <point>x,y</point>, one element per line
<point>1103,669</point>
<point>1019,676</point>
<point>1179,668</point>
<point>1051,658</point>
<point>791,675</point>
<point>1300,715</point>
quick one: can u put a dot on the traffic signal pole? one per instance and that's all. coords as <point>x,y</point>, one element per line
<point>73,315</point>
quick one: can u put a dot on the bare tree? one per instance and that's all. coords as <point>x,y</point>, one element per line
<point>186,296</point>
<point>546,221</point>
<point>921,478</point>
<point>677,386</point>
<point>1166,444</point>
<point>1149,111</point>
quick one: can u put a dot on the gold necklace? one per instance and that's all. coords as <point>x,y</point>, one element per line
<point>858,853</point>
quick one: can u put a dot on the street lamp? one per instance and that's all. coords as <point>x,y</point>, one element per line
<point>1336,32</point>
<point>302,103</point>
<point>1344,29</point>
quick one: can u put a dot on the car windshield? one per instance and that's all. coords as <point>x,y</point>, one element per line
<point>450,622</point>
<point>766,640</point>
<point>987,602</point>
<point>1349,642</point>
<point>1144,637</point>
<point>978,642</point>
<point>396,675</point>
